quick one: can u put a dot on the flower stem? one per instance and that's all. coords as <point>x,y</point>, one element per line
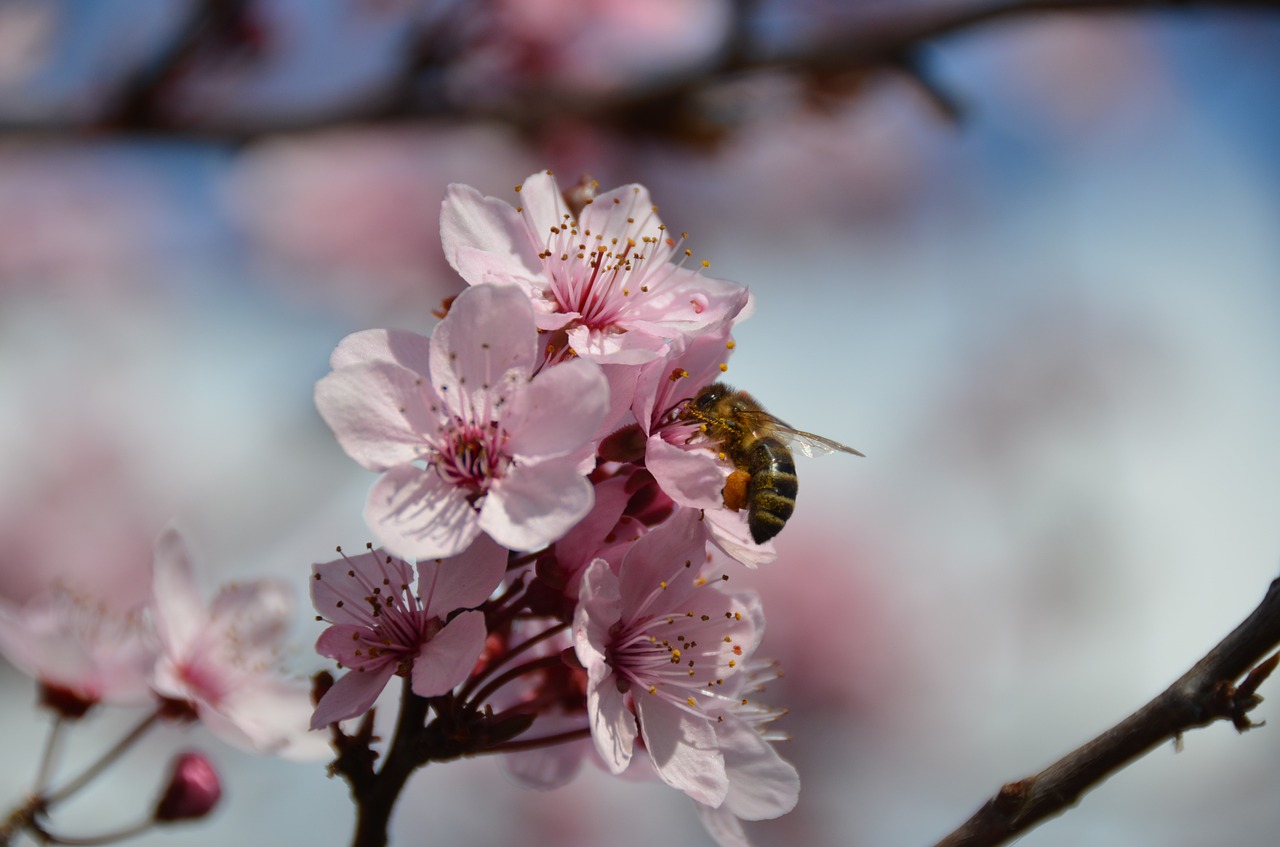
<point>514,673</point>
<point>471,684</point>
<point>104,761</point>
<point>49,757</point>
<point>376,799</point>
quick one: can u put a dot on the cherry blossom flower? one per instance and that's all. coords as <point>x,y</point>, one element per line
<point>661,645</point>
<point>688,468</point>
<point>222,659</point>
<point>469,438</point>
<point>606,278</point>
<point>83,648</point>
<point>762,785</point>
<point>194,789</point>
<point>381,628</point>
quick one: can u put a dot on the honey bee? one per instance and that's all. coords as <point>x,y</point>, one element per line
<point>757,443</point>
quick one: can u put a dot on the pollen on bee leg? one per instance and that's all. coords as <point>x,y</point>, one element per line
<point>735,490</point>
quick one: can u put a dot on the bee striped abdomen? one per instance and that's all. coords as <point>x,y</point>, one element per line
<point>771,494</point>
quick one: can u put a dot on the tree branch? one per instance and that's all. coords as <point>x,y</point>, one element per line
<point>886,37</point>
<point>1204,694</point>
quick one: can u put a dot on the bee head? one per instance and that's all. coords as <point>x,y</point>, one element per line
<point>707,398</point>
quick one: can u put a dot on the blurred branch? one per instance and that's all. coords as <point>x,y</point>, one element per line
<point>888,37</point>
<point>1205,694</point>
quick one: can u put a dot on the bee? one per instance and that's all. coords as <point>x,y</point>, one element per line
<point>757,443</point>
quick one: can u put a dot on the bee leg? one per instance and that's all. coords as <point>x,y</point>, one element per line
<point>735,490</point>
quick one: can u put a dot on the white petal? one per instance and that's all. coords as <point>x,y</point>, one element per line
<point>490,233</point>
<point>559,411</point>
<point>483,351</point>
<point>762,785</point>
<point>382,345</point>
<point>178,609</point>
<point>534,505</point>
<point>683,749</point>
<point>416,515</point>
<point>381,413</point>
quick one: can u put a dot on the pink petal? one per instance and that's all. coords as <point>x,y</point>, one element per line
<point>683,749</point>
<point>579,545</point>
<point>177,607</point>
<point>762,785</point>
<point>352,695</point>
<point>729,531</point>
<point>345,644</point>
<point>379,412</point>
<point>254,614</point>
<point>559,411</point>
<point>448,659</point>
<point>534,505</point>
<point>274,714</point>
<point>468,219</point>
<point>332,582</point>
<point>543,206</point>
<point>690,477</point>
<point>634,202</point>
<point>416,515</point>
<point>634,347</point>
<point>672,553</point>
<point>722,826</point>
<point>483,350</point>
<point>462,582</point>
<point>382,345</point>
<point>613,727</point>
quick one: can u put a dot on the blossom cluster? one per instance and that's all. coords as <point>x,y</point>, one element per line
<point>537,463</point>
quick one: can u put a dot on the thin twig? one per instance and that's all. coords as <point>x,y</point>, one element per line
<point>1204,694</point>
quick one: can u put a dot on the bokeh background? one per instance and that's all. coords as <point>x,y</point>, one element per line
<point>1053,326</point>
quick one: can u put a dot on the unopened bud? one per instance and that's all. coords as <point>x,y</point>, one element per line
<point>193,790</point>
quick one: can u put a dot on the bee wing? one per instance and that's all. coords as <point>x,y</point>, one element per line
<point>808,443</point>
<point>814,445</point>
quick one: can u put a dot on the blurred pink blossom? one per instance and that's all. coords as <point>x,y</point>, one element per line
<point>222,659</point>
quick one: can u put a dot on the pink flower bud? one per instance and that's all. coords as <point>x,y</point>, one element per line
<point>193,789</point>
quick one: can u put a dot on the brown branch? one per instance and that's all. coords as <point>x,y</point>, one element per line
<point>1204,694</point>
<point>886,37</point>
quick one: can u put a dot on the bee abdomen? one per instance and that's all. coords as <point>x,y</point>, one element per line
<point>771,494</point>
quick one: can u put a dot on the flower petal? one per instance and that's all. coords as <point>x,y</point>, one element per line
<point>379,412</point>
<point>382,345</point>
<point>448,658</point>
<point>177,607</point>
<point>498,237</point>
<point>463,581</point>
<point>534,505</point>
<point>483,350</point>
<point>352,695</point>
<point>762,785</point>
<point>416,515</point>
<point>333,584</point>
<point>690,477</point>
<point>559,411</point>
<point>683,749</point>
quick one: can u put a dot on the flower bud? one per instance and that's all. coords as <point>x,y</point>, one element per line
<point>193,789</point>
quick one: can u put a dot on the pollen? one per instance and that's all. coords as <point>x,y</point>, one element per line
<point>692,702</point>
<point>723,367</point>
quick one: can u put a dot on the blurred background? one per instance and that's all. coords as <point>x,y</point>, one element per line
<point>1030,267</point>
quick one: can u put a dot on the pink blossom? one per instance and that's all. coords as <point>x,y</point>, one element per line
<point>688,468</point>
<point>661,645</point>
<point>611,279</point>
<point>469,438</point>
<point>381,627</point>
<point>223,659</point>
<point>80,646</point>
